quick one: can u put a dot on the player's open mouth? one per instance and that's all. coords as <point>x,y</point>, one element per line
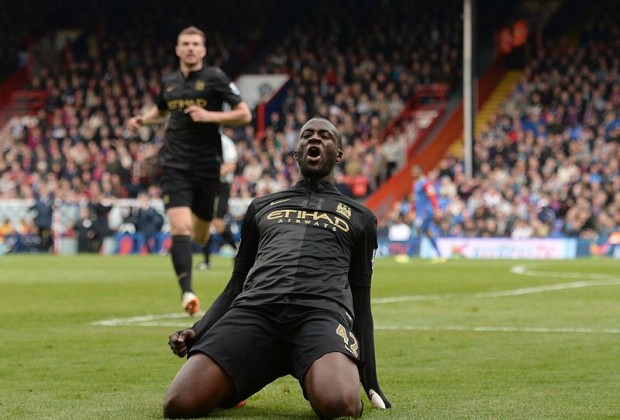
<point>314,153</point>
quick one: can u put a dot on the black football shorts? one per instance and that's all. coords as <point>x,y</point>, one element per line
<point>182,188</point>
<point>255,348</point>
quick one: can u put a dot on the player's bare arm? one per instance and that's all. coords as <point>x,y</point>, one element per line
<point>239,115</point>
<point>150,117</point>
<point>227,168</point>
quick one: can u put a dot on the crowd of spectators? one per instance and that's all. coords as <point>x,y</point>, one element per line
<point>547,163</point>
<point>359,78</point>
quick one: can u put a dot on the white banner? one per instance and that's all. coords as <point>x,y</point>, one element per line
<point>258,88</point>
<point>501,248</point>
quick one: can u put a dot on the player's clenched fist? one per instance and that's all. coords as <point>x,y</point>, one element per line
<point>199,114</point>
<point>180,341</point>
<point>134,124</point>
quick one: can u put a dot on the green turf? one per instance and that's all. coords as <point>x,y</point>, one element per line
<point>461,340</point>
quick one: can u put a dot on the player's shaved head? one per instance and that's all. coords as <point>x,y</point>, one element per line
<point>327,126</point>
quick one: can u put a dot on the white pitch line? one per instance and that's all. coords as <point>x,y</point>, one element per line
<point>569,330</point>
<point>601,280</point>
<point>164,320</point>
<point>524,271</point>
<point>145,320</point>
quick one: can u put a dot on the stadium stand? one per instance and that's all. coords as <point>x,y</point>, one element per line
<point>547,161</point>
<point>78,138</point>
<point>384,82</point>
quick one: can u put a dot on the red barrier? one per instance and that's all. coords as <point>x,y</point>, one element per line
<point>399,185</point>
<point>7,88</point>
<point>428,154</point>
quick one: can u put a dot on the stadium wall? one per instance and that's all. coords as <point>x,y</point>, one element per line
<point>501,248</point>
<point>66,215</point>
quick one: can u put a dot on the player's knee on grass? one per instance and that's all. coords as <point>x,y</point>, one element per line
<point>183,407</point>
<point>333,388</point>
<point>199,387</point>
<point>333,404</point>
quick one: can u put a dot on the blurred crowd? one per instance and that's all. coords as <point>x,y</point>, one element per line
<point>77,144</point>
<point>546,164</point>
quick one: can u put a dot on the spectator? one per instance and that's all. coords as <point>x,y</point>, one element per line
<point>399,231</point>
<point>86,233</point>
<point>44,210</point>
<point>100,208</point>
<point>394,154</point>
<point>148,224</point>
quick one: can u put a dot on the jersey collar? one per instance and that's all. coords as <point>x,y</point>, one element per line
<point>323,186</point>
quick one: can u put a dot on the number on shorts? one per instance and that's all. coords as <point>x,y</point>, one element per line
<point>346,337</point>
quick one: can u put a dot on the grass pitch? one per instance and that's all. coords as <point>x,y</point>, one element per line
<point>85,337</point>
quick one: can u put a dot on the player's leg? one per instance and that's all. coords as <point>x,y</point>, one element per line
<point>222,227</point>
<point>181,252</point>
<point>325,357</point>
<point>205,211</point>
<point>204,208</point>
<point>203,237</point>
<point>413,246</point>
<point>198,388</point>
<point>178,195</point>
<point>425,229</point>
<point>218,223</point>
<point>240,374</point>
<point>227,235</point>
<point>431,237</point>
<point>201,231</point>
<point>180,219</point>
<point>332,386</point>
<point>206,255</point>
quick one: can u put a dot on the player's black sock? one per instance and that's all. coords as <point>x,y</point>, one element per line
<point>227,236</point>
<point>181,252</point>
<point>206,250</point>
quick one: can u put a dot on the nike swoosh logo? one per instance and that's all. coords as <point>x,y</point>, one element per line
<point>278,201</point>
<point>169,88</point>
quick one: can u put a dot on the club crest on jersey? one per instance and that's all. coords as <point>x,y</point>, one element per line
<point>344,210</point>
<point>200,85</point>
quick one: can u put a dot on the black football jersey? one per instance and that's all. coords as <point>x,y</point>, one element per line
<point>193,145</point>
<point>306,246</point>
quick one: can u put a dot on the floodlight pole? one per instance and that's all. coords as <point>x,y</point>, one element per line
<point>469,84</point>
